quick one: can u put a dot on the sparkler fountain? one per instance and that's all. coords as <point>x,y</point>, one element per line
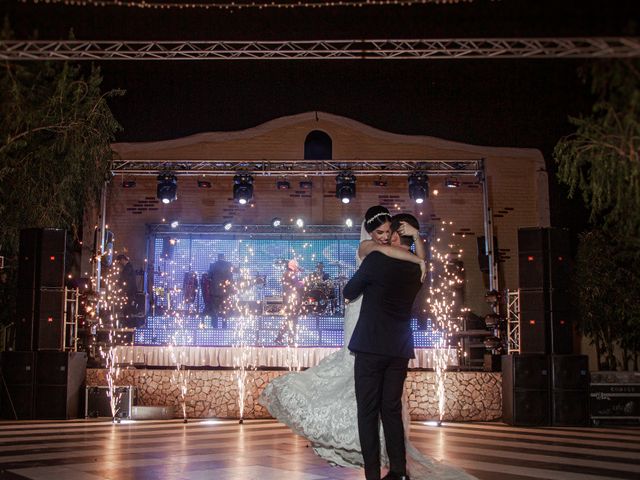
<point>444,278</point>
<point>244,331</point>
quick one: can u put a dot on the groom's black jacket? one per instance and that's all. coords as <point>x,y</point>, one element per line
<point>389,287</point>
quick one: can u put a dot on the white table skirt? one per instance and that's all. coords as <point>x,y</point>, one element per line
<point>255,356</point>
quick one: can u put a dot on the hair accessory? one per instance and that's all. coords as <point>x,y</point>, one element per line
<point>381,214</point>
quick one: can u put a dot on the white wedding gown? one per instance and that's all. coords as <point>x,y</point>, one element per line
<point>320,405</point>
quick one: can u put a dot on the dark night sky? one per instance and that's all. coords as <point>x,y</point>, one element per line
<point>508,102</point>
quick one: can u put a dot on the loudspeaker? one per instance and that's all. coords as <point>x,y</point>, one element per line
<point>42,258</point>
<point>544,258</point>
<point>18,370</point>
<point>570,381</point>
<point>25,319</point>
<point>50,322</point>
<point>525,389</point>
<point>40,296</point>
<point>570,372</point>
<point>53,247</point>
<point>59,380</point>
<point>28,258</point>
<point>546,322</point>
<point>40,319</point>
<point>570,407</point>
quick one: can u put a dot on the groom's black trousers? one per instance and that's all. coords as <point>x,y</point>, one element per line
<point>379,382</point>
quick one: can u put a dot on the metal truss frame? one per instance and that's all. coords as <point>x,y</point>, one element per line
<point>375,167</point>
<point>452,48</point>
<point>513,321</point>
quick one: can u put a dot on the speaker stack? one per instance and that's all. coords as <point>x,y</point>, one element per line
<point>539,390</point>
<point>546,384</point>
<point>40,298</point>
<point>546,324</point>
<point>42,385</point>
<point>42,380</point>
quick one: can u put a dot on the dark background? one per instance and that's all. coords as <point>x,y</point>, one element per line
<point>508,102</point>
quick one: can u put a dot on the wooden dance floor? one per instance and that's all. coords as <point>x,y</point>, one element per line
<point>266,450</point>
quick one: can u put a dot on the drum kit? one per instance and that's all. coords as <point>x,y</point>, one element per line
<point>324,297</point>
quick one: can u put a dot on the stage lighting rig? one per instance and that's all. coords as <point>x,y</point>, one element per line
<point>167,190</point>
<point>204,184</point>
<point>243,188</point>
<point>276,222</point>
<point>306,184</point>
<point>227,226</point>
<point>345,186</point>
<point>418,187</point>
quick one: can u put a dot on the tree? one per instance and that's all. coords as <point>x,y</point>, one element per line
<point>602,158</point>
<point>602,161</point>
<point>55,134</point>
<point>607,277</point>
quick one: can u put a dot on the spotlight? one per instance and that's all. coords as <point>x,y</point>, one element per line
<point>452,182</point>
<point>276,222</point>
<point>128,183</point>
<point>167,190</point>
<point>418,186</point>
<point>299,223</point>
<point>345,186</point>
<point>227,226</point>
<point>243,188</point>
<point>348,222</point>
<point>204,184</point>
<point>306,184</point>
<point>283,185</point>
<point>174,224</point>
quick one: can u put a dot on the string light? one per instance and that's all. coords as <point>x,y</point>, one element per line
<point>239,5</point>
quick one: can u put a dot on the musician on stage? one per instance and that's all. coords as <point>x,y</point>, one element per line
<point>320,275</point>
<point>220,277</point>
<point>127,284</point>
<point>292,291</point>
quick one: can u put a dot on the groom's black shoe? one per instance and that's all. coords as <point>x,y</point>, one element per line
<point>395,476</point>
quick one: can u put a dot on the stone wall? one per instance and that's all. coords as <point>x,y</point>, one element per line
<point>469,396</point>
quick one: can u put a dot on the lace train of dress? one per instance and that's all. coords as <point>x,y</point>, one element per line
<point>320,405</point>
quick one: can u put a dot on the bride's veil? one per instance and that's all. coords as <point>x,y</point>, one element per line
<point>364,235</point>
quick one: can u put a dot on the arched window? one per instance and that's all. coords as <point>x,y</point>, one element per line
<point>318,146</point>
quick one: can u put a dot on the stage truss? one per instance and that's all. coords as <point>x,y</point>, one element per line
<point>373,49</point>
<point>513,321</point>
<point>376,167</point>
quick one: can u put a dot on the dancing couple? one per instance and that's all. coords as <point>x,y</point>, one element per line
<point>342,404</point>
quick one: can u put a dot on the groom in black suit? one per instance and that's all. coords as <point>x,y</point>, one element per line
<point>383,344</point>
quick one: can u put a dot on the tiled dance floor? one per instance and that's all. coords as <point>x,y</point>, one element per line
<point>266,450</point>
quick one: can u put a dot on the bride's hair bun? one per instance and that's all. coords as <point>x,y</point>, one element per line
<point>375,217</point>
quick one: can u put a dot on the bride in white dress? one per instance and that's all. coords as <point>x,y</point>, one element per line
<point>320,404</point>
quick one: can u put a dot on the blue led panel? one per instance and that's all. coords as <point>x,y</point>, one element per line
<point>253,314</point>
